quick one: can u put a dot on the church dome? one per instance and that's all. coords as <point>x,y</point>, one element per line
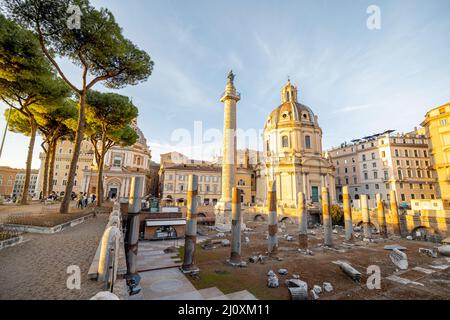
<point>291,111</point>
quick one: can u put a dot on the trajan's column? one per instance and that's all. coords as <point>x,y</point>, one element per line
<point>229,99</point>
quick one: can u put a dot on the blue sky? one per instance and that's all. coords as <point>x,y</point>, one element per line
<point>358,81</point>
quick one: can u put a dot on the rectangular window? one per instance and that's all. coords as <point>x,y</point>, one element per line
<point>308,142</point>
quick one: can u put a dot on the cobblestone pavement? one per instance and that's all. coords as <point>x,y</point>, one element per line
<point>37,269</point>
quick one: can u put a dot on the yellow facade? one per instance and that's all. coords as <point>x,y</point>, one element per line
<point>437,126</point>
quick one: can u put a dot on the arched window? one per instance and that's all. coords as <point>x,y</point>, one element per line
<point>307,142</point>
<point>268,146</point>
<point>285,141</point>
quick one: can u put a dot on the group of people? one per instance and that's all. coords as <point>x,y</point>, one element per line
<point>84,200</point>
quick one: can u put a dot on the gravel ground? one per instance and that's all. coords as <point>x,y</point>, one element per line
<point>317,269</point>
<point>37,269</point>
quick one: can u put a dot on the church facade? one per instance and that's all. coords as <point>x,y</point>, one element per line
<point>293,152</point>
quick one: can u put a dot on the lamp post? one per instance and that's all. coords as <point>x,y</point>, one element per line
<point>4,133</point>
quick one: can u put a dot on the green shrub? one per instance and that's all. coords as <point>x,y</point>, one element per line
<point>337,215</point>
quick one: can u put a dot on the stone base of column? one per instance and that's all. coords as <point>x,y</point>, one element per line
<point>223,216</point>
<point>189,269</point>
<point>303,241</point>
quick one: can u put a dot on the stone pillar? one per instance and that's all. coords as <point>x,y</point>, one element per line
<point>381,216</point>
<point>366,216</point>
<point>332,187</point>
<point>191,226</point>
<point>395,217</point>
<point>303,222</point>
<point>235,257</point>
<point>323,183</point>
<point>347,214</point>
<point>229,99</point>
<point>327,221</point>
<point>135,200</point>
<point>273,221</point>
<point>304,187</point>
<point>134,209</point>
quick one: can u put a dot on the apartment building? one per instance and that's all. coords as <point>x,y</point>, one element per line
<point>7,179</point>
<point>176,168</point>
<point>19,183</point>
<point>384,162</point>
<point>437,126</point>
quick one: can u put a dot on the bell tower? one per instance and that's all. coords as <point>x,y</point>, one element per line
<point>289,93</point>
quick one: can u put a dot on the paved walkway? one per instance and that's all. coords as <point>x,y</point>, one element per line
<point>165,281</point>
<point>37,269</point>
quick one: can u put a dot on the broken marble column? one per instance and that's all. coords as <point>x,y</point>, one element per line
<point>298,289</point>
<point>395,217</point>
<point>400,259</point>
<point>347,268</point>
<point>191,226</point>
<point>347,214</point>
<point>366,217</point>
<point>327,221</point>
<point>273,221</point>
<point>381,216</point>
<point>303,222</point>
<point>236,222</point>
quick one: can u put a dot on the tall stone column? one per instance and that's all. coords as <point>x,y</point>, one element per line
<point>229,99</point>
<point>308,188</point>
<point>366,216</point>
<point>273,220</point>
<point>327,222</point>
<point>395,217</point>
<point>303,222</point>
<point>347,214</point>
<point>323,183</point>
<point>332,187</point>
<point>191,226</point>
<point>134,209</point>
<point>236,223</point>
<point>381,213</point>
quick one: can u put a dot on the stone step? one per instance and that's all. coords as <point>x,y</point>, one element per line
<point>211,293</point>
<point>241,295</point>
<point>191,295</point>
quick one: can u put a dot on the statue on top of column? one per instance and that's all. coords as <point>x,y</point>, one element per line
<point>231,76</point>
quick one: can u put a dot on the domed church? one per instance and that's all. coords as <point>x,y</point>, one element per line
<point>293,149</point>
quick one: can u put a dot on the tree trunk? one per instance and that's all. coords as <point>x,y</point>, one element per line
<point>46,165</point>
<point>26,186</point>
<point>51,172</point>
<point>100,182</point>
<point>64,209</point>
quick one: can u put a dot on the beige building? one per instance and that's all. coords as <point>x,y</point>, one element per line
<point>293,151</point>
<point>64,153</point>
<point>121,164</point>
<point>176,168</point>
<point>7,179</point>
<point>437,126</point>
<point>384,162</point>
<point>19,183</point>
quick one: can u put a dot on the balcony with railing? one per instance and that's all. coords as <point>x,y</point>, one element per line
<point>236,95</point>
